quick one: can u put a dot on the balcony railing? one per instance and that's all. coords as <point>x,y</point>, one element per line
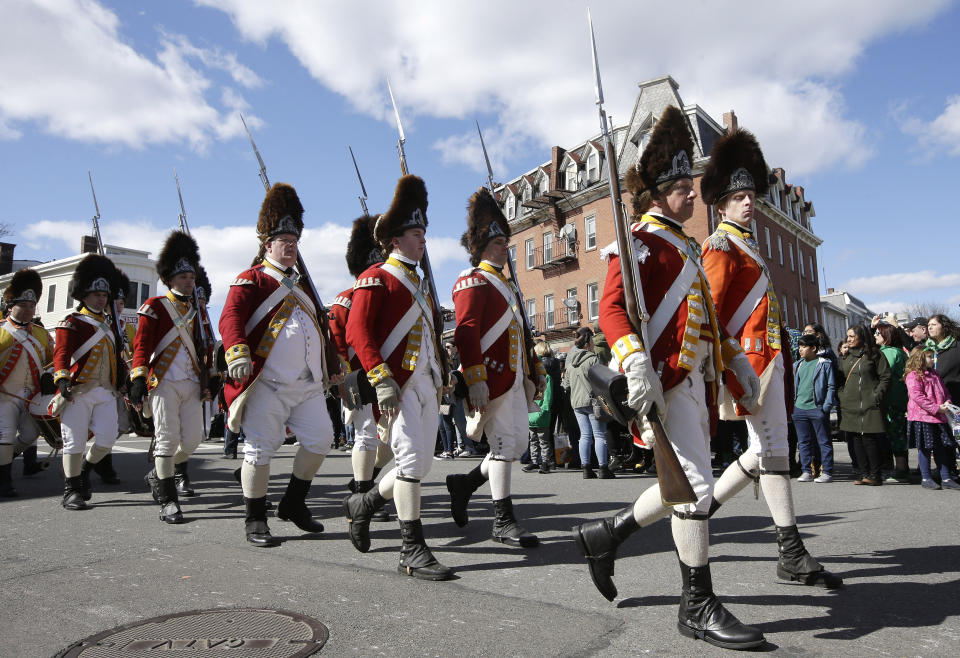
<point>561,252</point>
<point>556,321</point>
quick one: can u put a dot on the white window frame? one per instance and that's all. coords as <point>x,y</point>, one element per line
<point>766,233</point>
<point>571,177</point>
<point>547,247</point>
<point>790,252</point>
<point>512,253</point>
<point>813,270</point>
<point>593,301</point>
<point>796,311</point>
<point>527,195</point>
<point>590,232</point>
<point>593,166</point>
<point>532,313</point>
<point>511,206</point>
<point>572,312</point>
<point>803,269</point>
<point>780,249</point>
<point>529,251</point>
<point>806,314</point>
<point>52,298</point>
<point>549,312</point>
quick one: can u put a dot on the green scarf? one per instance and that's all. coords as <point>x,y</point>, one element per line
<point>944,344</point>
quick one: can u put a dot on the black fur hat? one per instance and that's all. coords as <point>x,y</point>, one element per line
<point>667,157</point>
<point>123,290</point>
<point>179,254</point>
<point>362,250</point>
<point>95,273</point>
<point>280,213</point>
<point>203,284</point>
<point>736,163</point>
<point>25,286</point>
<point>408,210</point>
<point>485,221</point>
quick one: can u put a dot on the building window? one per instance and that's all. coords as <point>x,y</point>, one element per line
<point>783,308</point>
<point>593,301</point>
<point>547,247</point>
<point>572,308</point>
<point>512,252</point>
<point>526,197</point>
<point>780,249</point>
<point>766,233</point>
<point>796,312</point>
<point>529,246</point>
<point>816,317</point>
<point>549,315</point>
<point>593,167</point>
<point>511,206</point>
<point>67,302</point>
<point>806,314</point>
<point>571,182</point>
<point>532,313</point>
<point>803,271</point>
<point>590,232</point>
<point>144,292</point>
<point>51,297</point>
<point>812,269</point>
<point>790,251</point>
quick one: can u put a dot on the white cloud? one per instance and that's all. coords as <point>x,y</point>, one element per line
<point>918,283</point>
<point>529,64</point>
<point>942,132</point>
<point>67,67</point>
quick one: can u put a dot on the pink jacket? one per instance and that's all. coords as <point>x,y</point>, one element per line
<point>926,394</point>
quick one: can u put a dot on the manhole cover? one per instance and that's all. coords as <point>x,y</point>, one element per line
<point>218,632</point>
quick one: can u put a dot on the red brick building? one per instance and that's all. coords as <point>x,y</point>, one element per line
<point>561,216</point>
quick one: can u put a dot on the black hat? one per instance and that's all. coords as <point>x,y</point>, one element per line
<point>95,273</point>
<point>736,163</point>
<point>179,254</point>
<point>485,221</point>
<point>667,157</point>
<point>408,210</point>
<point>915,322</point>
<point>124,290</point>
<point>362,250</point>
<point>281,213</point>
<point>25,286</point>
<point>203,284</point>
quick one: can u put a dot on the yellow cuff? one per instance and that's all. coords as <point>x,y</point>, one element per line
<point>378,374</point>
<point>626,346</point>
<point>61,374</point>
<point>474,374</point>
<point>729,348</point>
<point>236,352</point>
<point>139,371</point>
<point>344,365</point>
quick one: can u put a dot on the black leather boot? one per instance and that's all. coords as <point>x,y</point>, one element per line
<point>86,490</point>
<point>73,494</point>
<point>153,482</point>
<point>797,566</point>
<point>461,487</point>
<point>381,515</point>
<point>703,617</point>
<point>359,509</point>
<point>182,479</point>
<point>31,465</point>
<point>598,542</point>
<point>169,502</point>
<point>258,532</point>
<point>604,473</point>
<point>104,468</point>
<point>6,482</point>
<point>293,506</point>
<point>506,530</point>
<point>415,558</point>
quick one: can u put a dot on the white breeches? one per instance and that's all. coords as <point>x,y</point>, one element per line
<point>272,407</point>
<point>90,411</point>
<point>507,429</point>
<point>767,426</point>
<point>14,420</point>
<point>413,434</point>
<point>177,417</point>
<point>365,429</point>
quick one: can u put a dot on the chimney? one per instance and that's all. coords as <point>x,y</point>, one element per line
<point>730,121</point>
<point>6,257</point>
<point>556,182</point>
<point>830,291</point>
<point>88,244</point>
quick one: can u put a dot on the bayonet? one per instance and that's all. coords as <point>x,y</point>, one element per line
<point>403,139</point>
<point>487,158</point>
<point>183,211</point>
<point>363,198</point>
<point>256,152</point>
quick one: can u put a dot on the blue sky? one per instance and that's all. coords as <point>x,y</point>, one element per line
<point>855,102</point>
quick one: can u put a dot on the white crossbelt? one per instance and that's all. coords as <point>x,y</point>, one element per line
<point>287,285</point>
<point>30,344</point>
<point>87,345</point>
<point>403,327</point>
<point>179,328</point>
<point>756,294</point>
<point>677,292</point>
<point>512,312</point>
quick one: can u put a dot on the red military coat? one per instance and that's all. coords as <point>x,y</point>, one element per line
<point>379,303</point>
<point>71,334</point>
<point>248,296</point>
<point>151,358</point>
<point>339,314</point>
<point>481,306</point>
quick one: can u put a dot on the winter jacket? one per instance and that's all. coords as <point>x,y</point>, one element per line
<point>948,367</point>
<point>824,384</point>
<point>578,363</point>
<point>926,394</point>
<point>895,401</point>
<point>541,419</point>
<point>865,383</point>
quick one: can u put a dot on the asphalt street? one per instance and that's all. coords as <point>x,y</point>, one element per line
<point>67,575</point>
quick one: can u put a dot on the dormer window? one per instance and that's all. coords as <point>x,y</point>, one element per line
<point>593,167</point>
<point>511,206</point>
<point>570,175</point>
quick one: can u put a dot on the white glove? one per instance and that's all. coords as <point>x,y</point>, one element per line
<point>646,433</point>
<point>749,382</point>
<point>388,395</point>
<point>479,395</point>
<point>643,385</point>
<point>240,368</point>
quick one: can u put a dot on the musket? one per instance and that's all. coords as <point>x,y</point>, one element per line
<point>514,282</point>
<point>425,261</point>
<point>363,198</point>
<point>675,488</point>
<point>331,356</point>
<point>202,338</point>
<point>119,338</point>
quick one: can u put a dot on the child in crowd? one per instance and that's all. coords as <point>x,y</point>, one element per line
<point>926,421</point>
<point>815,390</point>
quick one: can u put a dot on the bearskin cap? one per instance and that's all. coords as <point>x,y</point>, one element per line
<point>179,254</point>
<point>667,157</point>
<point>123,290</point>
<point>736,163</point>
<point>280,213</point>
<point>95,273</point>
<point>25,286</point>
<point>408,210</point>
<point>203,284</point>
<point>485,221</point>
<point>362,250</point>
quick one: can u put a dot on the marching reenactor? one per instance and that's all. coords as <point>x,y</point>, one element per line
<point>369,453</point>
<point>748,308</point>
<point>672,369</point>
<point>497,368</point>
<point>391,327</point>
<point>275,352</point>
<point>88,374</point>
<point>168,373</point>
<point>25,351</point>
